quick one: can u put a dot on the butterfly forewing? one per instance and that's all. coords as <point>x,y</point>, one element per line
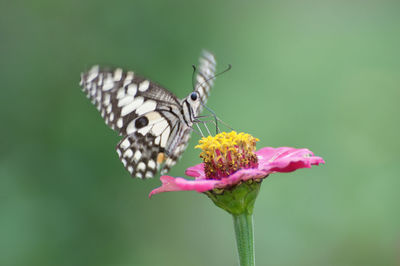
<point>204,77</point>
<point>121,97</point>
<point>148,116</point>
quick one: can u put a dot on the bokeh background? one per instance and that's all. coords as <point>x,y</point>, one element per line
<point>317,74</point>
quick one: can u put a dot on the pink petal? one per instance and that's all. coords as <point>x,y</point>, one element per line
<point>196,171</point>
<point>170,183</point>
<point>286,159</point>
<point>241,175</point>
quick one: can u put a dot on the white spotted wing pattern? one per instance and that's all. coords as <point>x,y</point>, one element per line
<point>154,123</point>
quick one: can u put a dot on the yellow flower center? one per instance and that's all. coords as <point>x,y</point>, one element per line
<point>226,153</point>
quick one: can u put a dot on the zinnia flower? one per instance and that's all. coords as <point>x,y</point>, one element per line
<point>230,159</point>
<point>231,176</point>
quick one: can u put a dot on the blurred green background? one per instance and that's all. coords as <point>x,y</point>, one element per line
<point>318,74</point>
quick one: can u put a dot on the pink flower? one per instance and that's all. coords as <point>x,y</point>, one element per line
<point>231,177</point>
<point>270,161</point>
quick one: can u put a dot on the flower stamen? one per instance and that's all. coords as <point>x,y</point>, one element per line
<point>226,153</point>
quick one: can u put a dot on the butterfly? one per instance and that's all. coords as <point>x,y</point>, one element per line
<point>154,123</point>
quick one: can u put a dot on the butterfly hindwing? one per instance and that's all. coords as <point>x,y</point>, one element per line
<point>139,156</point>
<point>175,154</point>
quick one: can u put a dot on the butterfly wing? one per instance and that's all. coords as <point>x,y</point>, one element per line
<point>139,155</point>
<point>138,109</point>
<point>121,97</point>
<point>204,77</point>
<point>181,140</point>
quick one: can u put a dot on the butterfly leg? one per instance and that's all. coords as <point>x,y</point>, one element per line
<point>198,130</point>
<point>214,122</point>
<point>215,118</point>
<point>204,122</point>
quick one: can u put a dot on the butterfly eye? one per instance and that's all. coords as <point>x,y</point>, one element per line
<point>193,96</point>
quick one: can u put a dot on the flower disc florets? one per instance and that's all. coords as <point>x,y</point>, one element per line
<point>226,153</point>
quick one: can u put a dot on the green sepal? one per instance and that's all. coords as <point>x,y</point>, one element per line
<point>238,199</point>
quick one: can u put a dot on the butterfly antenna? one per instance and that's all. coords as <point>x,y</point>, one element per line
<point>193,75</point>
<point>213,77</point>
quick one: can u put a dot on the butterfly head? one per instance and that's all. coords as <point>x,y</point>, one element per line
<point>194,101</point>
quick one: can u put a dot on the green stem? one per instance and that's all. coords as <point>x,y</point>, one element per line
<point>245,238</point>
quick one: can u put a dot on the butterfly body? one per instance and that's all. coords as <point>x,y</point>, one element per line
<point>154,123</point>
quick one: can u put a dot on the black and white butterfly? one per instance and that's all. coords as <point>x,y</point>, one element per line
<point>154,123</point>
